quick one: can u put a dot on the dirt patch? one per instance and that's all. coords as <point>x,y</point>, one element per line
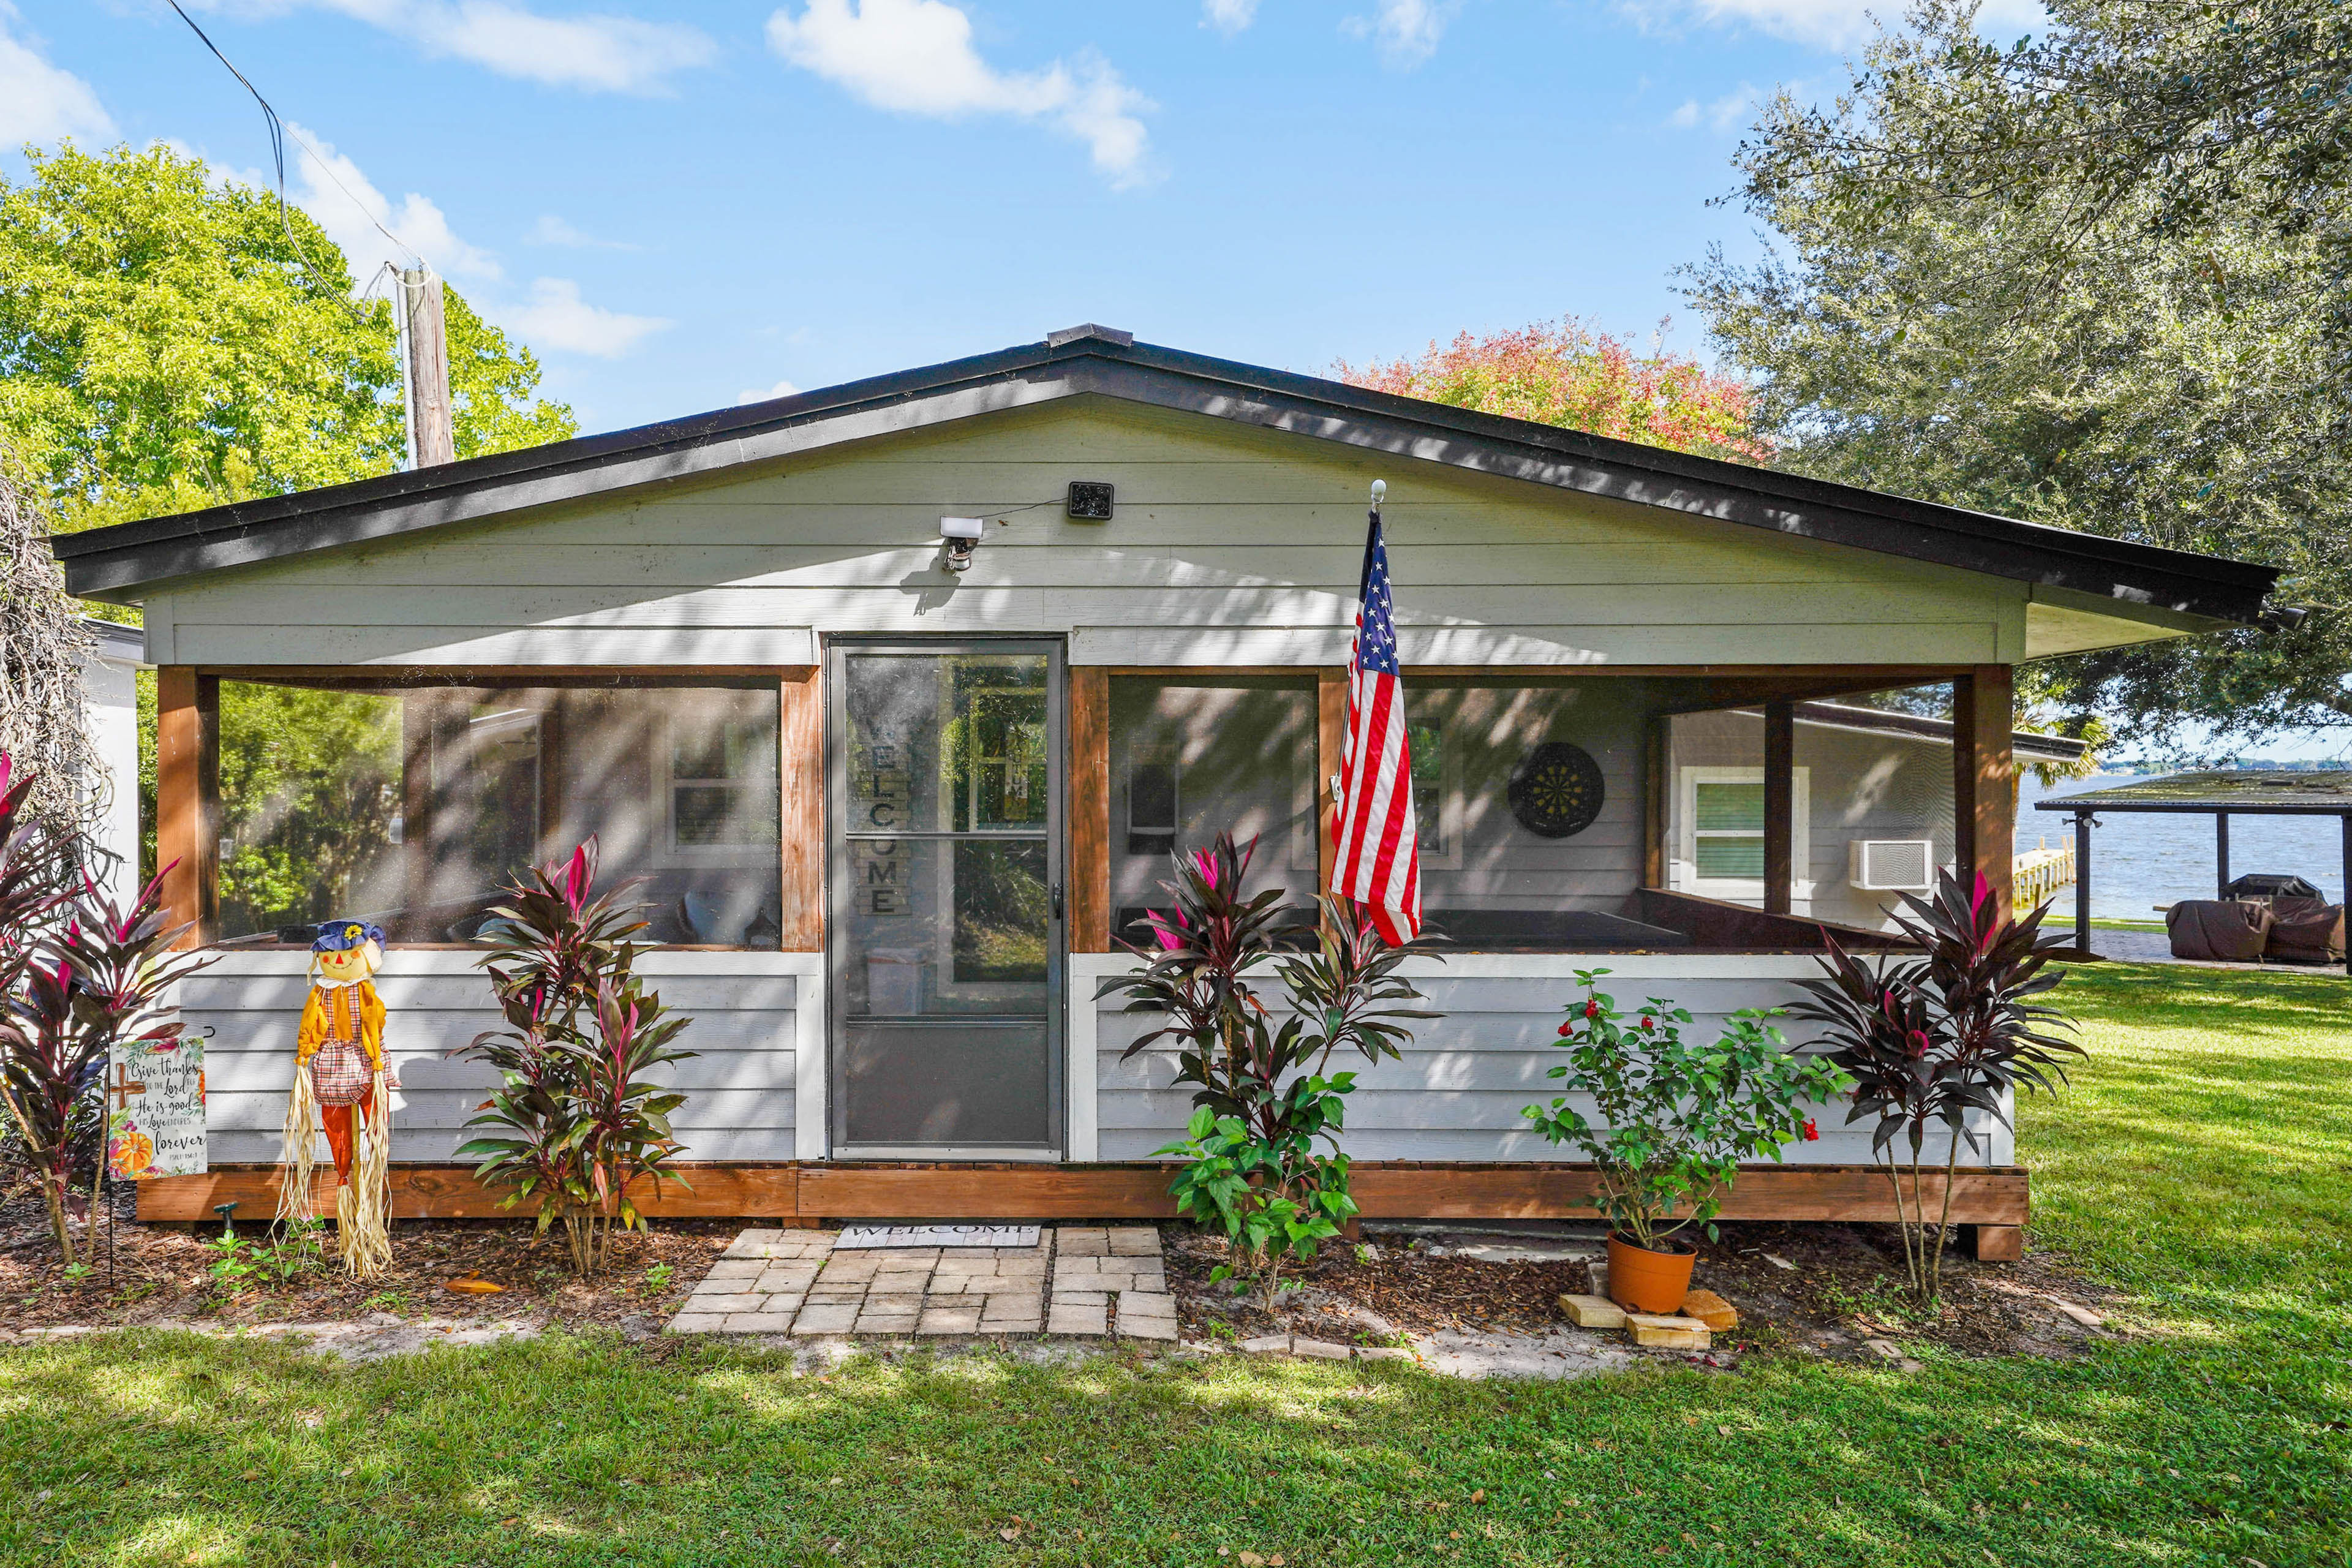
<point>159,1274</point>
<point>1843,1288</point>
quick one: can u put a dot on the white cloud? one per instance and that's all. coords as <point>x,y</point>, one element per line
<point>915,56</point>
<point>1228,16</point>
<point>347,204</point>
<point>1826,23</point>
<point>758,394</point>
<point>40,101</point>
<point>598,52</point>
<point>1405,31</point>
<point>553,230</point>
<point>1733,109</point>
<point>557,318</point>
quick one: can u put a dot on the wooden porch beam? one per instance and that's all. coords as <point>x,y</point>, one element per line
<point>187,798</point>
<point>1780,805</point>
<point>1984,778</point>
<point>1089,807</point>
<point>800,800</point>
<point>1330,750</point>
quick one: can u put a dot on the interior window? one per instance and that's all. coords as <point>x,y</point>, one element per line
<point>411,805</point>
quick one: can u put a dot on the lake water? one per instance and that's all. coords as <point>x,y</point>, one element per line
<point>2139,859</point>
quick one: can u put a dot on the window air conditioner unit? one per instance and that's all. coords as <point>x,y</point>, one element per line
<point>1880,865</point>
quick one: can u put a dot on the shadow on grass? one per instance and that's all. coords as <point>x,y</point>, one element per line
<point>157,1449</point>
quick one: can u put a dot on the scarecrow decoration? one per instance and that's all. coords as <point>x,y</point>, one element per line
<point>340,1081</point>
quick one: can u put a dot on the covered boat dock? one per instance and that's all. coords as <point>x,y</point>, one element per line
<point>2221,794</point>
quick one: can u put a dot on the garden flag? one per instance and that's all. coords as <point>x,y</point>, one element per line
<point>1378,858</point>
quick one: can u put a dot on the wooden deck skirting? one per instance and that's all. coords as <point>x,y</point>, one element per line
<point>1992,1199</point>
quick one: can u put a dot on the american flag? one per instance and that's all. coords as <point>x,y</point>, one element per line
<point>1378,863</point>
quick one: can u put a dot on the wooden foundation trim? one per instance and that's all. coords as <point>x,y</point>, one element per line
<point>1992,1199</point>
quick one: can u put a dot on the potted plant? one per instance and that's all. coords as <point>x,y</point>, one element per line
<point>1932,1039</point>
<point>1674,1121</point>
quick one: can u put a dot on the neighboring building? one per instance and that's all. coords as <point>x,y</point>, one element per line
<point>891,814</point>
<point>110,687</point>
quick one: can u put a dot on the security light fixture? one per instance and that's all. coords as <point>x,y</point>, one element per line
<point>1090,500</point>
<point>961,535</point>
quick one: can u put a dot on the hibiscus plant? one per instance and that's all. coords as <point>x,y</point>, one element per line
<point>583,1119</point>
<point>1939,1038</point>
<point>1676,1119</point>
<point>1255,1024</point>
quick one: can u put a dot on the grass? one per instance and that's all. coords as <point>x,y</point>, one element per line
<point>2198,1162</point>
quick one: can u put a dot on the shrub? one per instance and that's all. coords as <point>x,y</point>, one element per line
<point>77,974</point>
<point>1256,1163</point>
<point>1929,1039</point>
<point>574,1092</point>
<point>1676,1119</point>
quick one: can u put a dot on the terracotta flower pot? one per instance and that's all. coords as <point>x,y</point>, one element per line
<point>1648,1281</point>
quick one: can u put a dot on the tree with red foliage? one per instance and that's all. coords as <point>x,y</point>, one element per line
<point>1566,373</point>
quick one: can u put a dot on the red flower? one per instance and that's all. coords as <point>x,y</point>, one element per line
<point>1568,1028</point>
<point>1646,1021</point>
<point>1812,1133</point>
<point>1593,1009</point>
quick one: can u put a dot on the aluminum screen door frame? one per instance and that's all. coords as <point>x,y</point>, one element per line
<point>842,949</point>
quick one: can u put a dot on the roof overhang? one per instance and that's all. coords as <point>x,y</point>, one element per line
<point>2112,578</point>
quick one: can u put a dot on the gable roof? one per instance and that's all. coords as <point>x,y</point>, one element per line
<point>2140,581</point>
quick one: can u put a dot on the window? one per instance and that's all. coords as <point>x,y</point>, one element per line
<point>410,805</point>
<point>1192,755</point>
<point>1722,815</point>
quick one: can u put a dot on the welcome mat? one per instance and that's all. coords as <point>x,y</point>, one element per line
<point>864,1238</point>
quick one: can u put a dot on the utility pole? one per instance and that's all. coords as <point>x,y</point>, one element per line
<point>431,434</point>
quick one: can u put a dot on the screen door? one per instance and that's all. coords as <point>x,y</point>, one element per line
<point>945,764</point>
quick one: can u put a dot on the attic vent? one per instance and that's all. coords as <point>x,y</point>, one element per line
<point>1090,501</point>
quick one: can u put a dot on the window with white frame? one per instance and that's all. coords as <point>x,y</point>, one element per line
<point>1721,814</point>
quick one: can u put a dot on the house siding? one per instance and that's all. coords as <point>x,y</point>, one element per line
<point>748,1028</point>
<point>1459,1090</point>
<point>1229,546</point>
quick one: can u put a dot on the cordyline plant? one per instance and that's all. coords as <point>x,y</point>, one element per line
<point>1933,1039</point>
<point>1676,1119</point>
<point>82,974</point>
<point>586,1120</point>
<point>1264,1105</point>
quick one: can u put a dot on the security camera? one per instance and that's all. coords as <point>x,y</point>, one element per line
<point>961,534</point>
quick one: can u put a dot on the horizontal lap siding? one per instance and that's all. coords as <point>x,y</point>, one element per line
<point>1228,546</point>
<point>1460,1089</point>
<point>739,1102</point>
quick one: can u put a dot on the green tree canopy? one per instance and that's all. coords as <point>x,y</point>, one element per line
<point>2097,279</point>
<point>169,341</point>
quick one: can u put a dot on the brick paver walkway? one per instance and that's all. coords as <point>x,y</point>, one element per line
<point>1098,1279</point>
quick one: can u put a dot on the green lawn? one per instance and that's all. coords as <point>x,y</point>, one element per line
<point>2199,1162</point>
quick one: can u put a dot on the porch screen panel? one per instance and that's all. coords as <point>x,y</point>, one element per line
<point>411,805</point>
<point>1491,881</point>
<point>1191,757</point>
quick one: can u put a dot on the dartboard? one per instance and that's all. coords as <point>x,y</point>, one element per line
<point>1556,790</point>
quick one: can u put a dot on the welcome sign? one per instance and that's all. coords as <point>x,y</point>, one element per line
<point>155,1109</point>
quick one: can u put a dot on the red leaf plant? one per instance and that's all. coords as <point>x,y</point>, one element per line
<point>585,1118</point>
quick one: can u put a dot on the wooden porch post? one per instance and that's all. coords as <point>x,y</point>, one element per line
<point>1984,788</point>
<point>800,790</point>
<point>1780,805</point>
<point>187,797</point>
<point>1654,763</point>
<point>1089,802</point>
<point>1330,750</point>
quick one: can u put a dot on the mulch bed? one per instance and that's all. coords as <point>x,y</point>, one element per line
<point>1844,1287</point>
<point>161,1275</point>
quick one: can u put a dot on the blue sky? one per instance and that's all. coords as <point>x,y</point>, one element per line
<point>676,204</point>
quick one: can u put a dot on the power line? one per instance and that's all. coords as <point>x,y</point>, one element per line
<point>278,131</point>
